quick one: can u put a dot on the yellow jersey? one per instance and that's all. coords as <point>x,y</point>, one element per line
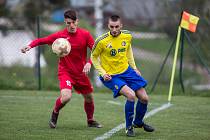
<point>112,55</point>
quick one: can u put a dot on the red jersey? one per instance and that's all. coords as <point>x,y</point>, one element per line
<point>76,59</point>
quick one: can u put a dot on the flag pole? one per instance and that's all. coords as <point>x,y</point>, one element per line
<point>174,64</point>
<point>188,22</point>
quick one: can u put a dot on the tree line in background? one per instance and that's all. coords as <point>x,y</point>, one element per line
<point>197,8</point>
<point>29,10</point>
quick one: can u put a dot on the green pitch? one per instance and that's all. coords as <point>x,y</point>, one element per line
<point>24,115</point>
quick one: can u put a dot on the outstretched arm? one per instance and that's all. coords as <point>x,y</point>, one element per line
<point>25,49</point>
<point>40,41</point>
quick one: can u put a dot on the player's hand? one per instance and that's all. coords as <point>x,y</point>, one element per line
<point>137,71</point>
<point>86,68</point>
<point>107,77</point>
<point>25,49</point>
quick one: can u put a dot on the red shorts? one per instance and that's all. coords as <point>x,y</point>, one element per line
<point>80,83</point>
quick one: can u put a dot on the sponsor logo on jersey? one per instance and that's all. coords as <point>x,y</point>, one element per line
<point>113,52</point>
<point>121,50</point>
<point>116,86</point>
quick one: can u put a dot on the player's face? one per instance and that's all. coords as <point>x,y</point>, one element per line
<point>71,25</point>
<point>115,27</point>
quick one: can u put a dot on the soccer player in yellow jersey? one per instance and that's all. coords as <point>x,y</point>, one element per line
<point>112,57</point>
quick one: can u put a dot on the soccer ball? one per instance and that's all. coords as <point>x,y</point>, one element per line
<point>61,47</point>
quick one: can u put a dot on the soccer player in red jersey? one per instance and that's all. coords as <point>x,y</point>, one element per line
<point>73,68</point>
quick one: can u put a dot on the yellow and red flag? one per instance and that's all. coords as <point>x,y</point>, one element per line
<point>189,22</point>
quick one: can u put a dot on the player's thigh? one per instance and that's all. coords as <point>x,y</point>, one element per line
<point>115,84</point>
<point>65,80</point>
<point>128,93</point>
<point>83,85</point>
<point>133,79</point>
<point>66,84</point>
<point>142,95</point>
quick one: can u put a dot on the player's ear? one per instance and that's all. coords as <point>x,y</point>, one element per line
<point>108,26</point>
<point>77,21</point>
<point>121,25</point>
<point>65,21</point>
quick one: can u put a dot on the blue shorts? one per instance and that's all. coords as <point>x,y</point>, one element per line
<point>129,78</point>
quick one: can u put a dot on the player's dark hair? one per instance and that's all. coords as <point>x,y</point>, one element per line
<point>114,18</point>
<point>70,14</point>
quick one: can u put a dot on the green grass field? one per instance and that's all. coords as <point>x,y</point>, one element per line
<point>24,115</point>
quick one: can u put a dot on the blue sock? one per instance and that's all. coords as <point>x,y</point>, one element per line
<point>129,113</point>
<point>141,109</point>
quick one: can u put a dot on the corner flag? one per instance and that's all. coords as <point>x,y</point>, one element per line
<point>189,22</point>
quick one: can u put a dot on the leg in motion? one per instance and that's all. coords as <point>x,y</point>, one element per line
<point>141,109</point>
<point>89,110</point>
<point>129,109</point>
<point>59,104</point>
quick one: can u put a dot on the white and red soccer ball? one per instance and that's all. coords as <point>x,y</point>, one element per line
<point>61,47</point>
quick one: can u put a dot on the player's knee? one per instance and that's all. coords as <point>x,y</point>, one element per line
<point>88,97</point>
<point>131,96</point>
<point>66,96</point>
<point>65,99</point>
<point>142,95</point>
<point>144,99</point>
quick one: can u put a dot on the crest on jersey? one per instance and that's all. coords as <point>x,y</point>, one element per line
<point>123,43</point>
<point>116,87</point>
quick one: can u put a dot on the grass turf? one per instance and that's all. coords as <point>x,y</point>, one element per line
<point>24,115</point>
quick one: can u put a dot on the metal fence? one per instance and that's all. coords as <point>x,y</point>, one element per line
<point>153,52</point>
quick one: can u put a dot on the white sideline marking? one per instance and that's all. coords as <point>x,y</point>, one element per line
<point>115,103</point>
<point>120,104</point>
<point>27,97</point>
<point>122,125</point>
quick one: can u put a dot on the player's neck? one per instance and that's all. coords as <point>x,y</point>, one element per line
<point>115,35</point>
<point>72,32</point>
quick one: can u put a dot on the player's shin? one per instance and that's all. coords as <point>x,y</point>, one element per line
<point>141,109</point>
<point>89,110</point>
<point>129,113</point>
<point>58,105</point>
